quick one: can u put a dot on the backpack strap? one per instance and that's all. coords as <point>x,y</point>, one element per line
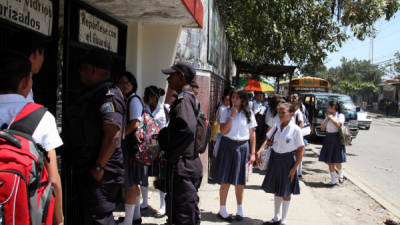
<point>28,118</point>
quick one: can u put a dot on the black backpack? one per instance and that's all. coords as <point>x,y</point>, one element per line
<point>203,130</point>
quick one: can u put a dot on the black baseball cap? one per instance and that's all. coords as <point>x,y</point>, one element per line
<point>182,67</point>
<point>96,58</point>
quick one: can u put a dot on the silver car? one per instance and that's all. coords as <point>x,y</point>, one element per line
<point>364,120</point>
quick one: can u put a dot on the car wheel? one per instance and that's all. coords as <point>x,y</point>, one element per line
<point>367,128</point>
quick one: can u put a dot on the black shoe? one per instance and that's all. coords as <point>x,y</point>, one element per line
<point>341,180</point>
<point>227,219</point>
<point>239,218</point>
<point>138,221</point>
<point>272,223</point>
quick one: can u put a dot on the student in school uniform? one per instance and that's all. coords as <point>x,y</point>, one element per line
<point>135,174</point>
<point>272,117</point>
<point>153,105</point>
<point>235,151</point>
<point>333,152</point>
<point>259,112</point>
<point>15,86</point>
<point>281,178</point>
<point>225,103</point>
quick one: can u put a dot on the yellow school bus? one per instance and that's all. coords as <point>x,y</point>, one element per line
<point>304,84</point>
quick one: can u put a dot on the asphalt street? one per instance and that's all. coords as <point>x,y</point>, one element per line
<point>374,158</point>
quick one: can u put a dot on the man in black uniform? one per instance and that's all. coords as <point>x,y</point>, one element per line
<point>97,125</point>
<point>185,168</point>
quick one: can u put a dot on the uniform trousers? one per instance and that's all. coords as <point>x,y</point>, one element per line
<point>99,199</point>
<point>185,200</point>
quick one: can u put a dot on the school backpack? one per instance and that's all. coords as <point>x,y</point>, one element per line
<point>26,195</point>
<point>146,137</point>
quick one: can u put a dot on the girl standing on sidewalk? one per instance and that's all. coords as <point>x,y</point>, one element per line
<point>333,151</point>
<point>237,128</point>
<point>151,99</point>
<point>281,178</point>
<point>134,172</point>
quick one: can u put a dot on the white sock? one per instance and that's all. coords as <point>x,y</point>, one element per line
<point>333,177</point>
<point>222,211</point>
<point>129,211</point>
<point>341,174</point>
<point>137,215</point>
<point>278,204</point>
<point>239,210</point>
<point>285,211</point>
<point>162,203</point>
<point>145,195</point>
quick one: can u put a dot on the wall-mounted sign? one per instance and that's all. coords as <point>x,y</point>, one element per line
<point>36,15</point>
<point>97,32</point>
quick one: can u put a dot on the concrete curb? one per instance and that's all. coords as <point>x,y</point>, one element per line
<point>364,187</point>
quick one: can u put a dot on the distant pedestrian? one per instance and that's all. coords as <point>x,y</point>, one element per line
<point>281,178</point>
<point>272,117</point>
<point>237,128</point>
<point>151,98</point>
<point>195,88</point>
<point>333,151</point>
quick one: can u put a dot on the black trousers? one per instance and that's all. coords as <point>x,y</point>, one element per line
<point>98,199</point>
<point>183,200</point>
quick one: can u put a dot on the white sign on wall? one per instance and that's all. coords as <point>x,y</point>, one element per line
<point>97,32</point>
<point>36,15</point>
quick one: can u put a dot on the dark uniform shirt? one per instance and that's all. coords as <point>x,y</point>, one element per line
<point>181,130</point>
<point>99,106</point>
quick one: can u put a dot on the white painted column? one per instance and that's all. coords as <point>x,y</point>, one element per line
<point>134,51</point>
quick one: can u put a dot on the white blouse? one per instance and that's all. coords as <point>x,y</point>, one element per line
<point>220,112</point>
<point>158,114</point>
<point>258,108</point>
<point>330,127</point>
<point>288,139</point>
<point>240,127</point>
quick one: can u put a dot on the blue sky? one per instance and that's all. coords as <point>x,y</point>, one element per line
<point>386,43</point>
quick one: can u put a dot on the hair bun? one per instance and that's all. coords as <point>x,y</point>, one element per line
<point>161,92</point>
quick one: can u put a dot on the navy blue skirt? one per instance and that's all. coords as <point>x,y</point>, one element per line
<point>332,150</point>
<point>135,173</point>
<point>230,164</point>
<point>277,179</point>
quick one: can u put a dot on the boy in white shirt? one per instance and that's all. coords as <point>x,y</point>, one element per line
<point>15,85</point>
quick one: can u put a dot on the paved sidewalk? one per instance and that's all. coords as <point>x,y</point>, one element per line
<point>258,206</point>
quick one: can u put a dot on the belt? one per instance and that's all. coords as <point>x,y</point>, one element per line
<point>235,141</point>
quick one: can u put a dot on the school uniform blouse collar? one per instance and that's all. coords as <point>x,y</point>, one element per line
<point>12,98</point>
<point>291,123</point>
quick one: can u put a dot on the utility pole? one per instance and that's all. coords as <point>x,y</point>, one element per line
<point>371,51</point>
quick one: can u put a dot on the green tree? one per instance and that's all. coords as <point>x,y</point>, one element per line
<point>352,77</point>
<point>396,64</point>
<point>303,31</point>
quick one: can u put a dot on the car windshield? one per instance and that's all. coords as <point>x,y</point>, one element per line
<point>347,104</point>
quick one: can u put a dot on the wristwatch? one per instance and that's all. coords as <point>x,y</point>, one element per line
<point>99,168</point>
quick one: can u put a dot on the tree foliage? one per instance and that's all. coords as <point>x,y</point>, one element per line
<point>396,64</point>
<point>303,31</point>
<point>352,77</point>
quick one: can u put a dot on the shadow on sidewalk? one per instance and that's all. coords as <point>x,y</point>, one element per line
<point>317,184</point>
<point>213,218</point>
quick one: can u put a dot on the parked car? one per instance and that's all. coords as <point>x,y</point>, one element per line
<point>317,103</point>
<point>364,120</point>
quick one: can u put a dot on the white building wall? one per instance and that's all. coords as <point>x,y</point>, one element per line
<point>159,49</point>
<point>150,48</point>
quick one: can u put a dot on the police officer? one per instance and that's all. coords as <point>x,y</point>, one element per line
<point>97,120</point>
<point>185,168</point>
